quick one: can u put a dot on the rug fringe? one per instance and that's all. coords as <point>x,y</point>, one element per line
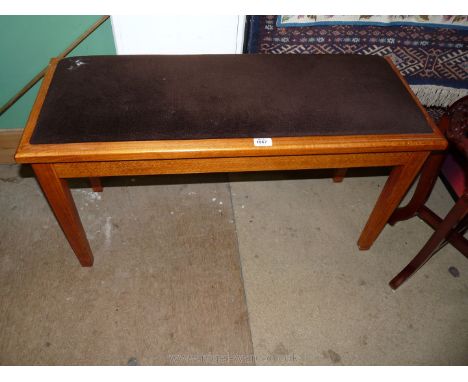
<point>431,95</point>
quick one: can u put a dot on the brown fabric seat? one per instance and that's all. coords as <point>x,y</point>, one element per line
<point>121,98</point>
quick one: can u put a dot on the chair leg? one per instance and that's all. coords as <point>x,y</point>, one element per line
<point>339,174</point>
<point>423,190</point>
<point>455,237</point>
<point>453,218</point>
<point>96,184</point>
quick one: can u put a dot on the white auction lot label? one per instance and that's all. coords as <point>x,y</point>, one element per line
<point>263,142</point>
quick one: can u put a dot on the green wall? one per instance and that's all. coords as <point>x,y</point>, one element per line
<point>27,43</point>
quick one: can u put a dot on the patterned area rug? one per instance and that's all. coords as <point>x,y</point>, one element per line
<point>433,60</point>
<point>459,21</point>
<point>436,113</point>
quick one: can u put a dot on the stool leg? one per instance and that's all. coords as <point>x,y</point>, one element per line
<point>339,174</point>
<point>395,188</point>
<point>456,214</point>
<point>96,184</point>
<point>426,183</point>
<point>58,194</point>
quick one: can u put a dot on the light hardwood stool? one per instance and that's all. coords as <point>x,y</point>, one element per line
<point>140,115</point>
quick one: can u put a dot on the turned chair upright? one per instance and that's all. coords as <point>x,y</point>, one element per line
<point>454,124</point>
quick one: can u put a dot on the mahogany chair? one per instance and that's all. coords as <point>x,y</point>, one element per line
<point>450,229</point>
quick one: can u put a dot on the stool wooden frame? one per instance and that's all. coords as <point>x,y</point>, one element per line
<point>54,163</point>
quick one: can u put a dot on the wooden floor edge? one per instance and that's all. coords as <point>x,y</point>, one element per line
<point>9,140</point>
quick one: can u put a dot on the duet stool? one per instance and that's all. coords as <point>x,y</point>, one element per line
<point>455,126</point>
<point>144,115</point>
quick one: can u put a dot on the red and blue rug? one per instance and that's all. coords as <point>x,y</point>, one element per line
<point>434,61</point>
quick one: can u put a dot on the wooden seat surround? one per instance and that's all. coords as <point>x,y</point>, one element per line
<point>138,115</point>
